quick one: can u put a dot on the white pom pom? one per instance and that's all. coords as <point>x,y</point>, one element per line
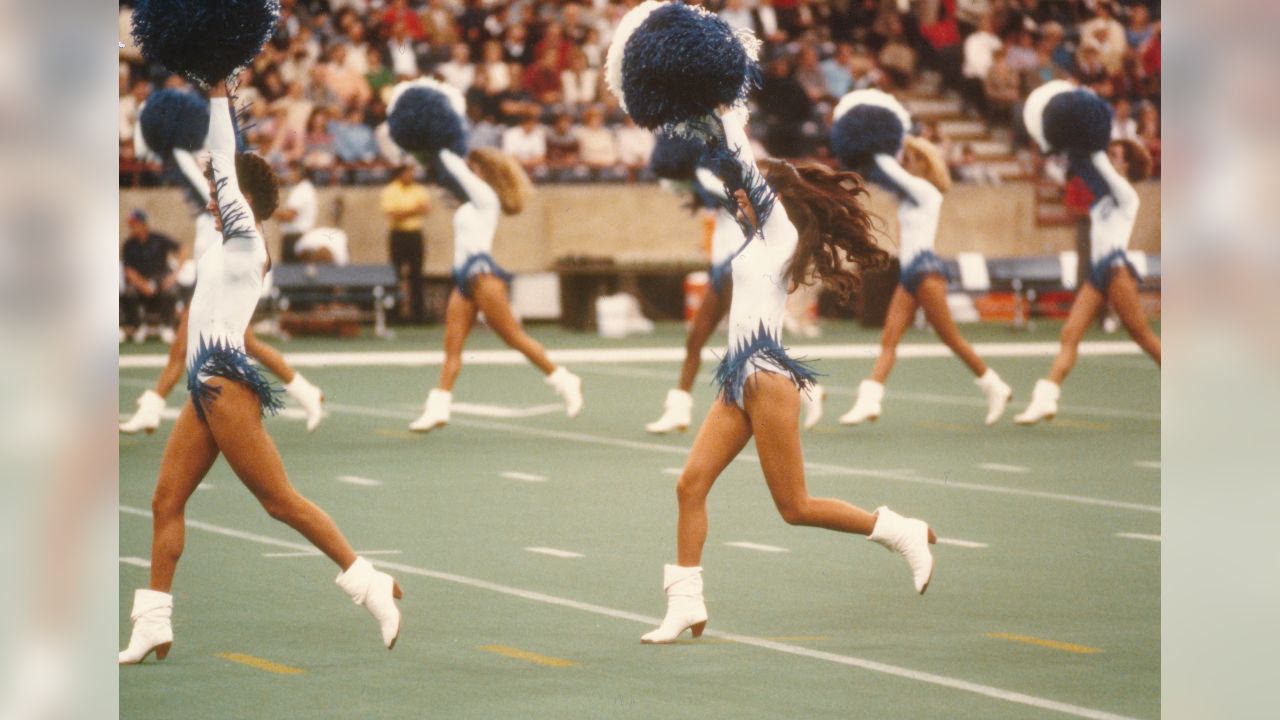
<point>1037,101</point>
<point>872,97</point>
<point>451,93</point>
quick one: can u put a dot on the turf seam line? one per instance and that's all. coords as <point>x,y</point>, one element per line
<point>848,660</point>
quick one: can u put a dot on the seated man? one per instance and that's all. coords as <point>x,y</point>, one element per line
<point>150,284</point>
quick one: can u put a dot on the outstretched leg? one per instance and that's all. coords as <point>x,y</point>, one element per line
<point>902,307</point>
<point>491,296</point>
<point>188,455</point>
<point>1124,297</point>
<point>709,314</point>
<point>1084,309</point>
<point>724,433</point>
<point>459,318</point>
<point>932,296</point>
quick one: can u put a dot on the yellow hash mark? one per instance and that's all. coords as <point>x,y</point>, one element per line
<point>527,656</point>
<point>260,664</point>
<point>953,427</point>
<point>1052,644</point>
<point>398,434</point>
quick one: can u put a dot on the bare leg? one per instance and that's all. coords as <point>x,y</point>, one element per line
<point>932,296</point>
<point>1123,294</point>
<point>491,295</point>
<point>235,421</point>
<point>774,410</point>
<point>187,458</point>
<point>459,318</point>
<point>901,309</point>
<point>270,358</point>
<point>722,436</point>
<point>173,366</point>
<point>704,323</point>
<point>1085,308</point>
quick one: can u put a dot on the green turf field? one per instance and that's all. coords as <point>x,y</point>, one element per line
<point>1049,607</point>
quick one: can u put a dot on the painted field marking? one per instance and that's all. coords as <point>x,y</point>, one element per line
<point>814,467</point>
<point>503,411</point>
<point>776,638</point>
<point>316,553</point>
<point>532,657</point>
<point>554,552</point>
<point>1000,467</point>
<point>358,480</point>
<point>1148,464</point>
<point>260,664</point>
<point>135,561</point>
<point>672,471</point>
<point>1139,536</point>
<point>1051,644</point>
<point>206,486</point>
<point>961,543</point>
<point>759,642</point>
<point>527,477</point>
<point>757,546</point>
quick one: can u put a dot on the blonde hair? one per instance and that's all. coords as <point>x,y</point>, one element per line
<point>505,176</point>
<point>935,165</point>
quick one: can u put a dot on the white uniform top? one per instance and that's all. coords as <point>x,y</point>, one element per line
<point>759,284</point>
<point>475,222</point>
<point>206,234</point>
<point>918,210</point>
<point>1111,219</point>
<point>727,237</point>
<point>228,274</point>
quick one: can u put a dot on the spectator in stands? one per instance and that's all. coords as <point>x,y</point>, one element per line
<point>542,79</point>
<point>579,83</point>
<point>596,144</point>
<point>494,67</point>
<point>835,70</point>
<point>151,286</point>
<point>357,59</point>
<point>593,47</point>
<point>553,41</point>
<point>1123,126</point>
<point>516,103</point>
<point>635,145</point>
<point>484,131</point>
<point>458,71</point>
<point>809,74</point>
<point>399,15</point>
<point>973,170</point>
<point>1022,52</point>
<point>1090,72</point>
<point>737,15</point>
<point>516,44</point>
<point>527,143</point>
<point>562,144</point>
<point>1003,89</point>
<point>1140,27</point>
<point>785,106</point>
<point>353,141</point>
<point>1149,134</point>
<point>979,53</point>
<point>897,57</point>
<point>129,106</point>
<point>319,153</point>
<point>406,204</point>
<point>863,68</point>
<point>766,24</point>
<point>403,53</point>
<point>379,77</point>
<point>297,214</point>
<point>1108,35</point>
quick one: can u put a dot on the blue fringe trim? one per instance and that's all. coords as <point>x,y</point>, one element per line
<point>220,360</point>
<point>923,265</point>
<point>1080,164</point>
<point>721,273</point>
<point>734,370</point>
<point>236,221</point>
<point>1100,272</point>
<point>478,264</point>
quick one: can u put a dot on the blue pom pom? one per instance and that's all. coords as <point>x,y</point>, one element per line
<point>1077,120</point>
<point>866,131</point>
<point>680,64</point>
<point>174,119</point>
<point>675,157</point>
<point>424,122</point>
<point>203,40</point>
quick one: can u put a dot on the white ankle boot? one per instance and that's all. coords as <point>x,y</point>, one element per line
<point>677,413</point>
<point>998,394</point>
<point>309,397</point>
<point>436,413</point>
<point>867,406</point>
<point>568,386</point>
<point>147,417</point>
<point>152,627</point>
<point>376,592</point>
<point>685,608</point>
<point>910,538</point>
<point>813,401</point>
<point>1044,404</point>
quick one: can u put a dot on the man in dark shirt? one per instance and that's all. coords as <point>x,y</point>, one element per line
<point>150,285</point>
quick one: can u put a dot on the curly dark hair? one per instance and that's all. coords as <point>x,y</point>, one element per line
<point>258,183</point>
<point>836,232</point>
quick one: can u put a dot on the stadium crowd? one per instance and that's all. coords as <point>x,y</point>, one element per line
<point>532,71</point>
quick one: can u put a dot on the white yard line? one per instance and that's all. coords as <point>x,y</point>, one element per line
<point>961,543</point>
<point>553,552</point>
<point>316,553</point>
<point>1148,464</point>
<point>135,561</point>
<point>1139,536</point>
<point>358,480</point>
<point>758,642</point>
<point>757,546</point>
<point>999,467</point>
<point>526,477</point>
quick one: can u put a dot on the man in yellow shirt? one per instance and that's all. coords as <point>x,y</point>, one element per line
<point>406,204</point>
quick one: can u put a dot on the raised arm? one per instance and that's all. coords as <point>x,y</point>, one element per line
<point>236,213</point>
<point>918,190</point>
<point>477,190</point>
<point>191,171</point>
<point>1126,197</point>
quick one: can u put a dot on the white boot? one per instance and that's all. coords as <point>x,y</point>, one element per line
<point>910,538</point>
<point>309,397</point>
<point>685,608</point>
<point>376,592</point>
<point>677,413</point>
<point>813,401</point>
<point>147,417</point>
<point>436,413</point>
<point>998,394</point>
<point>568,386</point>
<point>867,406</point>
<point>1044,403</point>
<point>152,628</point>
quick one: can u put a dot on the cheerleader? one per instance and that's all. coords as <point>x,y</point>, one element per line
<point>228,400</point>
<point>488,181</point>
<point>919,181</point>
<point>816,221</point>
<point>1112,276</point>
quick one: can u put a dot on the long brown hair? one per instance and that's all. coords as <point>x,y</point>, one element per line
<point>1137,157</point>
<point>504,175</point>
<point>836,233</point>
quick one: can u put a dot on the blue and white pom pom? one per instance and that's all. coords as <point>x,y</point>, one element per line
<point>426,116</point>
<point>206,41</point>
<point>172,119</point>
<point>675,157</point>
<point>1062,117</point>
<point>867,123</point>
<point>669,63</point>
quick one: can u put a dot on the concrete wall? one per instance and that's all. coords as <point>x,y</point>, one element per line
<point>644,222</point>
